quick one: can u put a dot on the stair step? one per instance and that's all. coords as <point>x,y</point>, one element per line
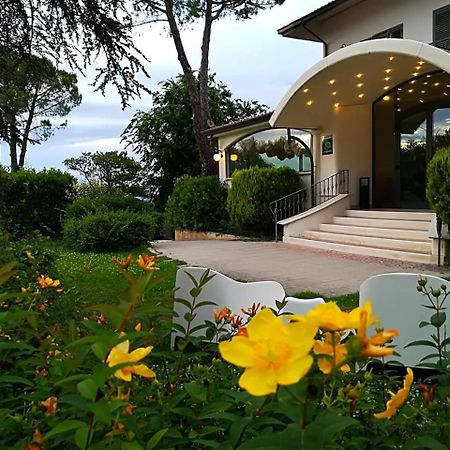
<point>361,250</point>
<point>383,223</point>
<point>392,215</point>
<point>368,241</point>
<point>388,233</point>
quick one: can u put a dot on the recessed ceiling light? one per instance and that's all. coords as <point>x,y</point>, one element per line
<point>359,75</point>
<point>388,70</point>
<point>413,81</point>
<point>437,84</point>
<point>428,76</point>
<point>306,90</point>
<point>309,102</point>
<point>336,105</point>
<point>386,88</point>
<point>423,92</point>
<point>360,95</point>
<point>415,74</point>
<point>399,89</point>
<point>387,78</point>
<point>334,93</point>
<point>332,81</point>
<point>421,101</point>
<point>425,83</point>
<point>410,90</point>
<point>445,93</point>
<point>391,58</point>
<point>421,63</point>
<point>360,85</point>
<point>386,98</point>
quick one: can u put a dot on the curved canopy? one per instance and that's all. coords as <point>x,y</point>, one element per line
<point>356,75</point>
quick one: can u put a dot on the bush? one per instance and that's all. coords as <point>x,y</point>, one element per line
<point>250,195</point>
<point>438,184</point>
<point>197,203</point>
<point>113,230</point>
<point>83,206</point>
<point>33,200</point>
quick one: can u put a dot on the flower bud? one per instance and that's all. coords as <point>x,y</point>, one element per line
<point>422,281</point>
<point>436,292</point>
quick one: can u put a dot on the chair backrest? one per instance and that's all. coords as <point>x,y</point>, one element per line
<point>223,291</point>
<point>399,305</point>
<point>226,292</point>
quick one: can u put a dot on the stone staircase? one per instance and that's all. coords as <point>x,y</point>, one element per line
<point>392,234</point>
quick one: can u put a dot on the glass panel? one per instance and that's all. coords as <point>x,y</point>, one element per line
<point>441,128</point>
<point>413,161</point>
<point>270,148</point>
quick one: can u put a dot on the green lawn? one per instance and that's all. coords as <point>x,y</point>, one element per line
<point>345,302</point>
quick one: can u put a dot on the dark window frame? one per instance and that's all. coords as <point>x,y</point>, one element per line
<point>436,12</point>
<point>385,34</point>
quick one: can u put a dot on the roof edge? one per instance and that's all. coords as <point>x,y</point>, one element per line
<point>239,124</point>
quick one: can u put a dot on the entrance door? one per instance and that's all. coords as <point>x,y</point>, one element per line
<point>441,128</point>
<point>412,162</point>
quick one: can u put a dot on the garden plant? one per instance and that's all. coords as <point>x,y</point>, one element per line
<point>255,379</point>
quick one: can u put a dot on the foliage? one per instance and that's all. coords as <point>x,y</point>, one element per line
<point>82,206</point>
<point>164,136</point>
<point>197,203</point>
<point>438,184</point>
<point>35,201</point>
<point>250,195</point>
<point>33,93</point>
<point>181,14</point>
<point>112,230</point>
<point>75,32</point>
<point>116,171</point>
<point>61,389</point>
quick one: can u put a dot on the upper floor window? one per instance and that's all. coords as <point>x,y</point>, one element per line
<point>394,32</point>
<point>441,27</point>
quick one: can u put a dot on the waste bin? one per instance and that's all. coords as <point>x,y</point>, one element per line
<point>364,192</point>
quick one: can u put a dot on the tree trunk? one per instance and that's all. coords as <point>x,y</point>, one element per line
<point>26,133</point>
<point>13,146</point>
<point>198,105</point>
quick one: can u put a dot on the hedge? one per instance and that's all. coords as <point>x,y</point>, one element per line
<point>438,184</point>
<point>250,195</point>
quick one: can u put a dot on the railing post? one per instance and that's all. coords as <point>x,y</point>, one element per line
<point>276,222</point>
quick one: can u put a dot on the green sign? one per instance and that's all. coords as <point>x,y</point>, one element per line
<point>327,145</point>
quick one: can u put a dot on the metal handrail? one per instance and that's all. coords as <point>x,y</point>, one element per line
<point>306,198</point>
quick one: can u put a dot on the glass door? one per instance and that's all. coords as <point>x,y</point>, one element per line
<point>412,161</point>
<point>441,128</point>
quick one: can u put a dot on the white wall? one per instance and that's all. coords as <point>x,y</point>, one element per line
<point>373,16</point>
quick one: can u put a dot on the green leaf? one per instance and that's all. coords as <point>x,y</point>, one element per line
<point>421,342</point>
<point>81,436</point>
<point>425,442</point>
<point>424,324</point>
<point>100,350</point>
<point>438,320</point>
<point>183,302</point>
<point>15,380</point>
<point>131,446</point>
<point>205,303</point>
<point>154,440</point>
<point>445,342</point>
<point>196,390</point>
<point>102,411</point>
<point>88,389</point>
<point>64,427</point>
<point>325,428</point>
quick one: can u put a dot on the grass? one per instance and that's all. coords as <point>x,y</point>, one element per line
<point>346,302</point>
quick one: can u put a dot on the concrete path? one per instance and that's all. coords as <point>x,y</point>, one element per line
<point>297,269</point>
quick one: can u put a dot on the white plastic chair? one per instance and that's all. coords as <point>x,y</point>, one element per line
<point>398,304</point>
<point>226,292</point>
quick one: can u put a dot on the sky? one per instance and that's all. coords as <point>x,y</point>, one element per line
<point>248,56</point>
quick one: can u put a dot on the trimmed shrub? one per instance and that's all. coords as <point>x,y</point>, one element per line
<point>438,184</point>
<point>110,231</point>
<point>250,194</point>
<point>35,201</point>
<point>197,203</point>
<point>83,206</point>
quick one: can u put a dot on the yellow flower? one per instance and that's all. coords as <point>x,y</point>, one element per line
<point>147,263</point>
<point>336,351</point>
<point>373,346</point>
<point>120,354</point>
<point>273,352</point>
<point>30,256</point>
<point>329,316</point>
<point>397,400</point>
<point>47,282</point>
<point>138,327</point>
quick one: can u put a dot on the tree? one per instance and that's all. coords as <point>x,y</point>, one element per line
<point>164,137</point>
<point>32,94</point>
<point>115,171</point>
<point>77,32</point>
<point>179,13</point>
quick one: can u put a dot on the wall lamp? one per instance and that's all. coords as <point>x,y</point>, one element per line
<point>218,156</point>
<point>234,157</point>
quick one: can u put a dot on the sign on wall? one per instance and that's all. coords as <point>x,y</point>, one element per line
<point>327,145</point>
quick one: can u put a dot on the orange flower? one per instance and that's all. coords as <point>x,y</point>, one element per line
<point>123,264</point>
<point>242,332</point>
<point>47,282</point>
<point>138,327</point>
<point>236,321</point>
<point>100,319</point>
<point>223,314</point>
<point>51,405</point>
<point>397,400</point>
<point>129,409</point>
<point>37,436</point>
<point>33,447</point>
<point>252,310</point>
<point>427,393</point>
<point>147,263</point>
<point>336,351</point>
<point>373,346</point>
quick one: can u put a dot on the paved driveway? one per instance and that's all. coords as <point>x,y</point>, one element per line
<point>297,269</point>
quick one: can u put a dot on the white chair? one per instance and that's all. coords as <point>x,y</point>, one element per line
<point>398,304</point>
<point>226,292</point>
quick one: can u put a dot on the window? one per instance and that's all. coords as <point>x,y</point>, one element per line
<point>441,27</point>
<point>394,32</point>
